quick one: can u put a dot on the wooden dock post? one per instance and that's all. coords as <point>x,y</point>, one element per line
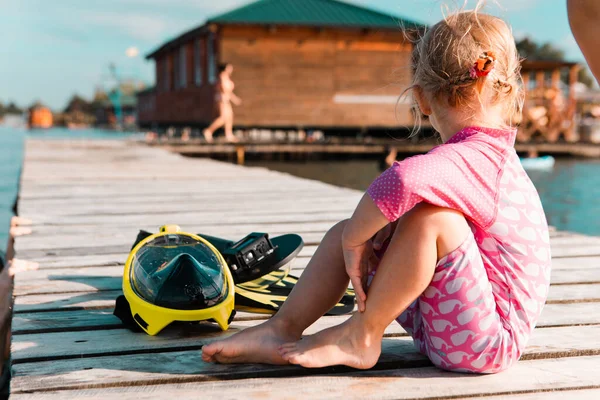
<point>240,151</point>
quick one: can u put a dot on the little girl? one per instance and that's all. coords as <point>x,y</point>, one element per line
<point>467,268</point>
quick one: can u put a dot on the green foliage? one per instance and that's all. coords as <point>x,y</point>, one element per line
<point>531,50</point>
<point>586,78</point>
<point>545,52</point>
<point>13,109</point>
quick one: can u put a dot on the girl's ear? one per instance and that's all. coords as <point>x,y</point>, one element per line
<point>422,100</point>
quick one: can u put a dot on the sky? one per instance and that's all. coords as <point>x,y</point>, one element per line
<point>52,49</point>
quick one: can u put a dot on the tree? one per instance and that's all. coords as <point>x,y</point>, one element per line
<point>13,109</point>
<point>78,103</point>
<point>546,52</point>
<point>531,50</point>
<point>2,110</point>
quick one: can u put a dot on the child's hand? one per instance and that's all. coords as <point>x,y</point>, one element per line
<point>381,237</point>
<point>358,259</point>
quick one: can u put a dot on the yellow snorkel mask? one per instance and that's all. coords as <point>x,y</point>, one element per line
<point>177,276</point>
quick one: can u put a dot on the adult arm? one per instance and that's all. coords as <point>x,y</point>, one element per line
<point>584,17</point>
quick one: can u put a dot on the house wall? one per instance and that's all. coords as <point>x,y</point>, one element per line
<point>293,77</point>
<point>321,78</point>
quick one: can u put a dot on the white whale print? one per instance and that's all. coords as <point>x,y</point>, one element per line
<point>446,307</point>
<point>432,291</point>
<point>439,343</point>
<point>467,316</point>
<point>454,286</point>
<point>440,325</point>
<point>461,337</point>
<point>458,356</point>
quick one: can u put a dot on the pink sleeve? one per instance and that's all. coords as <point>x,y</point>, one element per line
<point>444,180</point>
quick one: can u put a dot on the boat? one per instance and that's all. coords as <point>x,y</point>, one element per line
<point>538,163</point>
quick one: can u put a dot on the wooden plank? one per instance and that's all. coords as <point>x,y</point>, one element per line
<point>90,232</point>
<point>526,377</point>
<point>66,301</point>
<point>275,205</point>
<point>124,237</point>
<point>92,319</point>
<point>579,394</point>
<point>105,299</point>
<point>104,275</point>
<point>546,342</point>
<point>184,219</point>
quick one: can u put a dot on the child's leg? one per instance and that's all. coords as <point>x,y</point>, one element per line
<point>456,321</point>
<point>320,287</point>
<point>422,236</point>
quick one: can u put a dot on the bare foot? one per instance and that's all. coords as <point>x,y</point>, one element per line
<point>258,344</point>
<point>208,136</point>
<point>232,139</point>
<point>339,345</point>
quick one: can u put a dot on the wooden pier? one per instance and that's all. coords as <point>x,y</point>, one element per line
<point>354,147</point>
<point>87,201</point>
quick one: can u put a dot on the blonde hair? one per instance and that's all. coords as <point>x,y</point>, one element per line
<point>444,56</point>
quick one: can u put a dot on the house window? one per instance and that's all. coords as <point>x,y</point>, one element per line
<point>166,75</point>
<point>182,66</point>
<point>198,63</point>
<point>210,55</point>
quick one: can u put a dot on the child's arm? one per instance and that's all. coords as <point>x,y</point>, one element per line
<point>366,221</point>
<point>584,17</point>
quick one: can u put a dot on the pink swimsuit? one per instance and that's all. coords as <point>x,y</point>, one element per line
<point>485,297</point>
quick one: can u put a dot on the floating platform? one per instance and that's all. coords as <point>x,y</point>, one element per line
<point>87,201</point>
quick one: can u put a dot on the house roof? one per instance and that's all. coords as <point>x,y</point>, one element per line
<point>545,65</point>
<point>325,13</point>
<point>314,13</point>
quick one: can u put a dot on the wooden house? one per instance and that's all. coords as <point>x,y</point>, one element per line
<point>40,117</point>
<point>297,64</point>
<point>550,105</point>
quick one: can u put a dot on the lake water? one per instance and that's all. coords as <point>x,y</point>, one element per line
<point>570,192</point>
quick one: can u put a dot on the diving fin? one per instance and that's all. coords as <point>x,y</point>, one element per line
<point>269,300</point>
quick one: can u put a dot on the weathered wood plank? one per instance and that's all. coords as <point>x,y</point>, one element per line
<point>109,276</point>
<point>546,342</point>
<point>66,301</point>
<point>259,206</point>
<point>579,394</point>
<point>526,377</point>
<point>105,299</point>
<point>184,219</point>
<point>105,238</point>
<point>92,319</point>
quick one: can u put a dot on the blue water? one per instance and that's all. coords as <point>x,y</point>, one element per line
<point>11,155</point>
<point>570,192</point>
<point>11,159</point>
